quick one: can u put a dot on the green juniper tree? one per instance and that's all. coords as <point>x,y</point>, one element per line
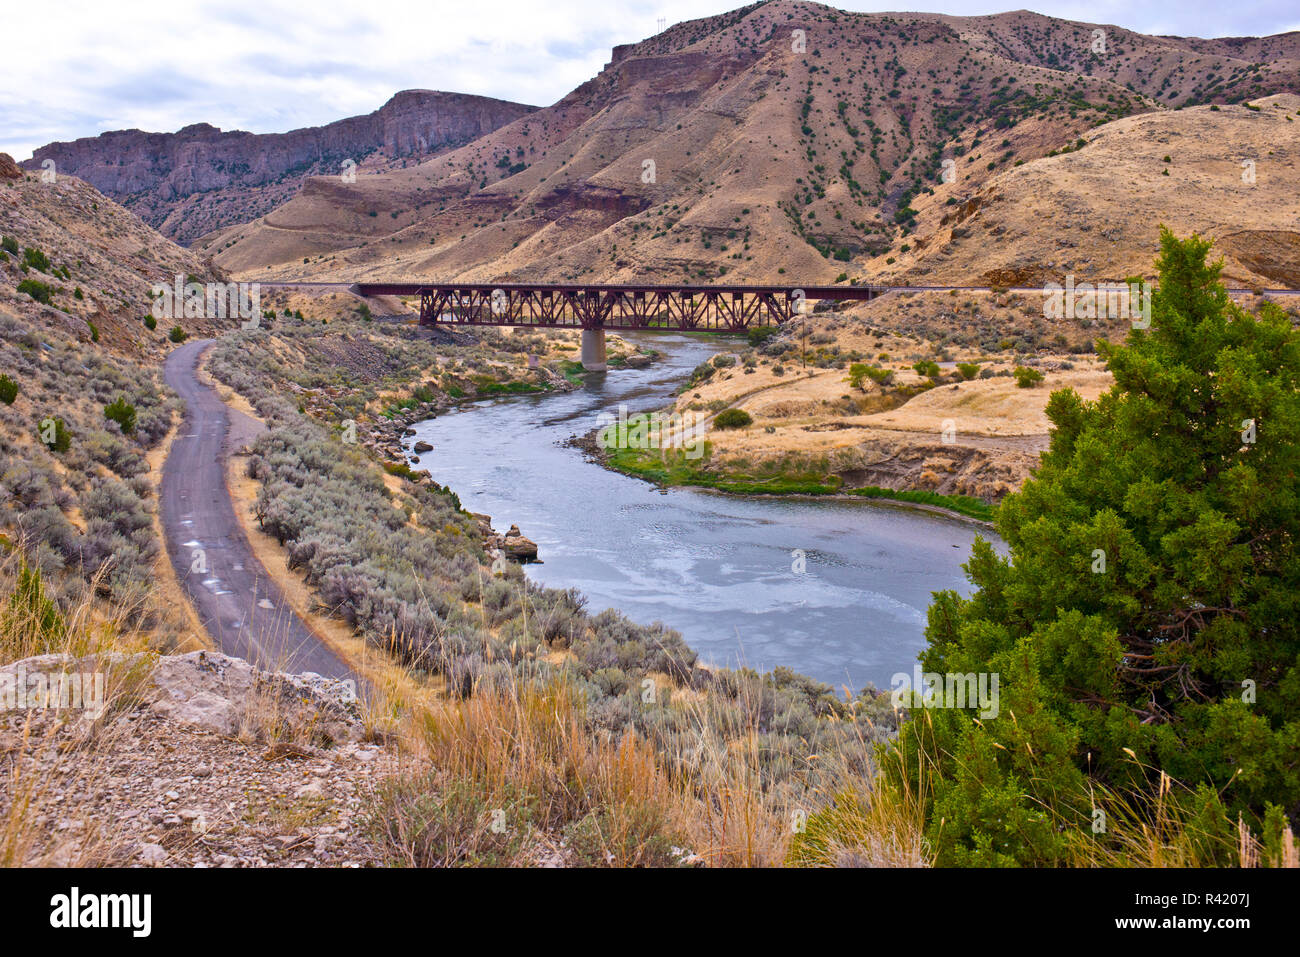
<point>1146,621</point>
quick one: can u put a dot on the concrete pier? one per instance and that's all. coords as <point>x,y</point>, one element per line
<point>593,350</point>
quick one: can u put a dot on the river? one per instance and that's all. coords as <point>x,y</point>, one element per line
<point>724,571</point>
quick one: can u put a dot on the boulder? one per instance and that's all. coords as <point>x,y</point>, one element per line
<point>8,168</point>
<point>213,691</point>
<point>517,547</point>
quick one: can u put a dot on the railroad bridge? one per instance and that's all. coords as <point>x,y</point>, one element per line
<point>595,307</point>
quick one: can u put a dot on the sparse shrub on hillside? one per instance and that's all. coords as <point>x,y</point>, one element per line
<point>732,419</point>
<point>35,259</point>
<point>112,452</point>
<point>703,373</point>
<point>150,323</point>
<point>9,245</point>
<point>30,623</point>
<point>54,434</point>
<point>123,413</point>
<point>177,334</point>
<point>8,390</point>
<point>860,371</point>
<point>723,361</point>
<point>927,367</point>
<point>968,370</point>
<point>1027,378</point>
<point>39,291</point>
<point>757,335</point>
<point>119,540</point>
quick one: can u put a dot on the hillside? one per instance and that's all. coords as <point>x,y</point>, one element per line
<point>731,147</point>
<point>86,419</point>
<point>111,260</point>
<point>201,178</point>
<point>1228,172</point>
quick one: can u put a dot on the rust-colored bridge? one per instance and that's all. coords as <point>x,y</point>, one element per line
<point>724,308</point>
<point>593,308</point>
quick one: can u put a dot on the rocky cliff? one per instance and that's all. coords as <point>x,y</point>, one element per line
<point>201,178</point>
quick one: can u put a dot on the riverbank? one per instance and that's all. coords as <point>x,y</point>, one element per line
<point>876,400</point>
<point>673,468</point>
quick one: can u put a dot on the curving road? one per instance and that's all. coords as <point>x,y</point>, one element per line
<point>240,605</point>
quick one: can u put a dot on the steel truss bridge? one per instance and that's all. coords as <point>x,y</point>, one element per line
<point>721,308</point>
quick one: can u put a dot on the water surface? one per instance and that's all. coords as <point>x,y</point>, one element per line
<point>721,570</point>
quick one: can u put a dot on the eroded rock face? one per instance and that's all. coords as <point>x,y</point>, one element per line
<point>156,173</point>
<point>8,168</point>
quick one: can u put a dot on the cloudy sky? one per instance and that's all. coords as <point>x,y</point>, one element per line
<point>79,67</point>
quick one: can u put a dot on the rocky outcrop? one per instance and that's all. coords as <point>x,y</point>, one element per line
<point>202,690</point>
<point>517,547</point>
<point>8,168</point>
<point>219,693</point>
<point>197,760</point>
<point>154,174</point>
<point>429,121</point>
<point>512,545</point>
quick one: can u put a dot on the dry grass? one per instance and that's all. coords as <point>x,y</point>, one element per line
<point>525,751</point>
<point>1163,833</point>
<point>53,752</point>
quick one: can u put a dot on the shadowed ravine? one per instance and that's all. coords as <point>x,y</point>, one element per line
<point>718,568</point>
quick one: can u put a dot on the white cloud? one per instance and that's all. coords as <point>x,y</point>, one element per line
<point>79,67</point>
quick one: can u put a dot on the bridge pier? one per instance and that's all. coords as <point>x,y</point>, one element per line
<point>593,350</point>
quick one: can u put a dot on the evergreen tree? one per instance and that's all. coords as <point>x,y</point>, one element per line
<point>1146,619</point>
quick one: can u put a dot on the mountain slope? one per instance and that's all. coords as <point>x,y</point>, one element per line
<point>200,178</point>
<point>98,261</point>
<point>784,135</point>
<point>1095,211</point>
